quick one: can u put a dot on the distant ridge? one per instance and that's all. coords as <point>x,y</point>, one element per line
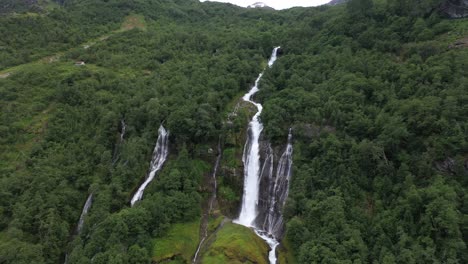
<point>35,6</point>
<point>337,2</point>
<point>451,8</point>
<point>260,5</point>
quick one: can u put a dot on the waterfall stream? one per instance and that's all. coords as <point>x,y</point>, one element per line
<point>252,173</point>
<point>159,157</point>
<point>118,146</point>
<point>79,226</point>
<point>84,212</point>
<point>273,222</point>
<point>122,130</point>
<point>214,183</point>
<point>251,156</point>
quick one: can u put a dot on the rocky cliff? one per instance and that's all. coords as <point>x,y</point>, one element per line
<point>455,8</point>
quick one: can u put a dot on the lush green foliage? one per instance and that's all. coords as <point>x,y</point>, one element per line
<point>60,127</point>
<point>376,99</point>
<point>377,103</point>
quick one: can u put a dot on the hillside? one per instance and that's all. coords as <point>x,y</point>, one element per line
<point>373,94</point>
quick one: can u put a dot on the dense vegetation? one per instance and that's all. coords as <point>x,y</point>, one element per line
<point>378,102</point>
<point>376,98</point>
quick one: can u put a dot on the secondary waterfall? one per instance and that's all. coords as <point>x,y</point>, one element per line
<point>214,183</point>
<point>278,192</point>
<point>86,207</point>
<point>84,212</point>
<point>118,146</point>
<point>251,160</point>
<point>122,129</point>
<point>159,157</point>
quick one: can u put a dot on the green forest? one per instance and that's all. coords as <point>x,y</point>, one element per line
<point>375,91</point>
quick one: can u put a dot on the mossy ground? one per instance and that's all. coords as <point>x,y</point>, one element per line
<point>286,253</point>
<point>214,222</point>
<point>178,245</point>
<point>236,244</point>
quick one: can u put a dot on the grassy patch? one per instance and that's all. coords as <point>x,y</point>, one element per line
<point>133,21</point>
<point>236,244</point>
<point>179,244</point>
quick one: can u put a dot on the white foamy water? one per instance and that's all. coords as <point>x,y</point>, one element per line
<point>159,157</point>
<point>251,159</point>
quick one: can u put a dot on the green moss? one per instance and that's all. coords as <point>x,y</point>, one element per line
<point>214,223</point>
<point>179,244</point>
<point>286,253</point>
<point>236,244</point>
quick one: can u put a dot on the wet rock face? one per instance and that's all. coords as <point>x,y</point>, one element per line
<point>267,157</point>
<point>455,8</point>
<point>273,189</point>
<point>452,166</point>
<point>280,52</point>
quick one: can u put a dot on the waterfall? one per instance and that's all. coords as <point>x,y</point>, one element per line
<point>79,226</point>
<point>251,160</point>
<point>213,176</point>
<point>159,157</point>
<point>214,183</point>
<point>118,146</point>
<point>269,224</point>
<point>123,129</point>
<point>273,222</point>
<point>251,156</point>
<point>84,212</point>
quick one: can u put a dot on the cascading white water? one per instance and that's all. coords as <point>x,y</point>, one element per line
<point>251,159</point>
<point>277,198</point>
<point>86,207</point>
<point>159,157</point>
<point>123,129</point>
<point>84,212</point>
<point>118,146</point>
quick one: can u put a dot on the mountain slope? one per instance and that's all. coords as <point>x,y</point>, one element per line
<point>375,95</point>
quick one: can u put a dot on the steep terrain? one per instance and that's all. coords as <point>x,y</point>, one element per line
<point>373,95</point>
